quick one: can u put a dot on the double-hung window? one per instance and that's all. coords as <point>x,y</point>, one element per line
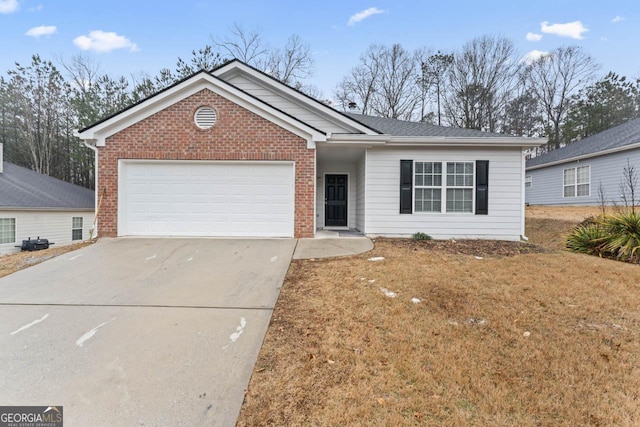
<point>460,187</point>
<point>7,230</point>
<point>444,186</point>
<point>76,228</point>
<point>576,181</point>
<point>428,183</point>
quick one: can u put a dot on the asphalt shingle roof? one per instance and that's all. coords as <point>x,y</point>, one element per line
<point>397,127</point>
<point>23,188</point>
<point>619,136</point>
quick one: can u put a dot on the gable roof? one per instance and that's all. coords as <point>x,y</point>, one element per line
<point>236,66</point>
<point>618,138</point>
<point>397,127</point>
<point>122,119</point>
<point>22,188</point>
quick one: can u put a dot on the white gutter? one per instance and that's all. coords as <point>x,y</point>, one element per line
<point>522,200</point>
<point>93,231</point>
<point>586,156</point>
<point>436,141</point>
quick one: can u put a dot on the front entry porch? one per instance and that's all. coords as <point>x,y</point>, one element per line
<point>340,192</point>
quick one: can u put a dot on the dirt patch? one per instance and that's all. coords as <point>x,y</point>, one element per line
<point>565,213</point>
<point>483,248</point>
<point>13,262</point>
<point>429,334</point>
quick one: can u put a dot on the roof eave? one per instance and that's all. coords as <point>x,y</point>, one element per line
<point>585,156</point>
<point>437,141</point>
<point>98,133</point>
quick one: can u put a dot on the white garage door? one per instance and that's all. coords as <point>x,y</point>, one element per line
<point>193,198</point>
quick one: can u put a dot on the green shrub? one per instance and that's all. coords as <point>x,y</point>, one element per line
<point>421,236</point>
<point>612,236</point>
<point>622,233</point>
<point>586,239</point>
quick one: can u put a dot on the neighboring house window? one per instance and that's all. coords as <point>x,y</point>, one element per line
<point>576,181</point>
<point>428,182</point>
<point>7,230</point>
<point>528,181</point>
<point>76,228</point>
<point>429,186</point>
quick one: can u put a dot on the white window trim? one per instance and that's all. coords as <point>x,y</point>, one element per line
<point>575,181</point>
<point>15,230</point>
<point>528,181</point>
<point>444,187</point>
<point>81,228</point>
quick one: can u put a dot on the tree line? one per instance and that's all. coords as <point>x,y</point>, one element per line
<point>485,85</point>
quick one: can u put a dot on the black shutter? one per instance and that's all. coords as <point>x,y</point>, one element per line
<point>482,187</point>
<point>406,186</point>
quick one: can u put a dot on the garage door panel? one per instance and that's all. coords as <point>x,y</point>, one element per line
<point>207,199</point>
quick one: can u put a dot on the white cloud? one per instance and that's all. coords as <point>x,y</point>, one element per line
<point>37,8</point>
<point>360,16</point>
<point>533,56</point>
<point>533,37</point>
<point>8,6</point>
<point>617,19</point>
<point>101,41</point>
<point>42,30</point>
<point>572,30</point>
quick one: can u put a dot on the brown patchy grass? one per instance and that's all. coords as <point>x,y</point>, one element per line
<point>13,262</point>
<point>524,336</point>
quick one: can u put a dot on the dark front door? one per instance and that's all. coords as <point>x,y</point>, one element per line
<point>335,193</point>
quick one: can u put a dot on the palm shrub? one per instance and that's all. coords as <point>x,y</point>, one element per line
<point>612,236</point>
<point>622,233</point>
<point>587,238</point>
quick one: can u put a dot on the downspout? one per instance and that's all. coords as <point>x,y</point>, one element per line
<point>522,198</point>
<point>94,233</point>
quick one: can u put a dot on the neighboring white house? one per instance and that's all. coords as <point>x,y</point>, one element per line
<point>586,172</point>
<point>35,205</point>
<point>234,152</point>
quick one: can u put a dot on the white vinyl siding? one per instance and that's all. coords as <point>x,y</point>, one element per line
<point>53,225</point>
<point>576,182</point>
<point>504,220</point>
<point>295,109</point>
<point>360,192</point>
<point>7,230</point>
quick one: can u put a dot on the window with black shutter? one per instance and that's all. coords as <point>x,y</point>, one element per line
<point>406,186</point>
<point>482,187</point>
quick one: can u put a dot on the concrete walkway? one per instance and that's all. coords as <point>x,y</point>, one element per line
<point>329,245</point>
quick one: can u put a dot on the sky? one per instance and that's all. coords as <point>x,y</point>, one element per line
<point>127,38</point>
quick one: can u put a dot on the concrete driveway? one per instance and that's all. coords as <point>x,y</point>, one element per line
<point>144,332</point>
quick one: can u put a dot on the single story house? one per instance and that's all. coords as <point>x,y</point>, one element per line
<point>586,172</point>
<point>234,152</point>
<point>34,205</point>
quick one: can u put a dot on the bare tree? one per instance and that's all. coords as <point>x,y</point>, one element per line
<point>628,185</point>
<point>291,64</point>
<point>247,46</point>
<point>554,78</point>
<point>480,80</point>
<point>434,71</point>
<point>385,83</point>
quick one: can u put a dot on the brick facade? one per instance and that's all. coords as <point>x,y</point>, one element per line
<point>238,134</point>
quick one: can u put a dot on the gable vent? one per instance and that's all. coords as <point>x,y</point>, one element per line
<point>205,117</point>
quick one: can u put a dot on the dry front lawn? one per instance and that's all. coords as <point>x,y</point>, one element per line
<point>503,334</point>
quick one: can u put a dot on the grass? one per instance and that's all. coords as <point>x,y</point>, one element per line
<point>13,262</point>
<point>504,334</point>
